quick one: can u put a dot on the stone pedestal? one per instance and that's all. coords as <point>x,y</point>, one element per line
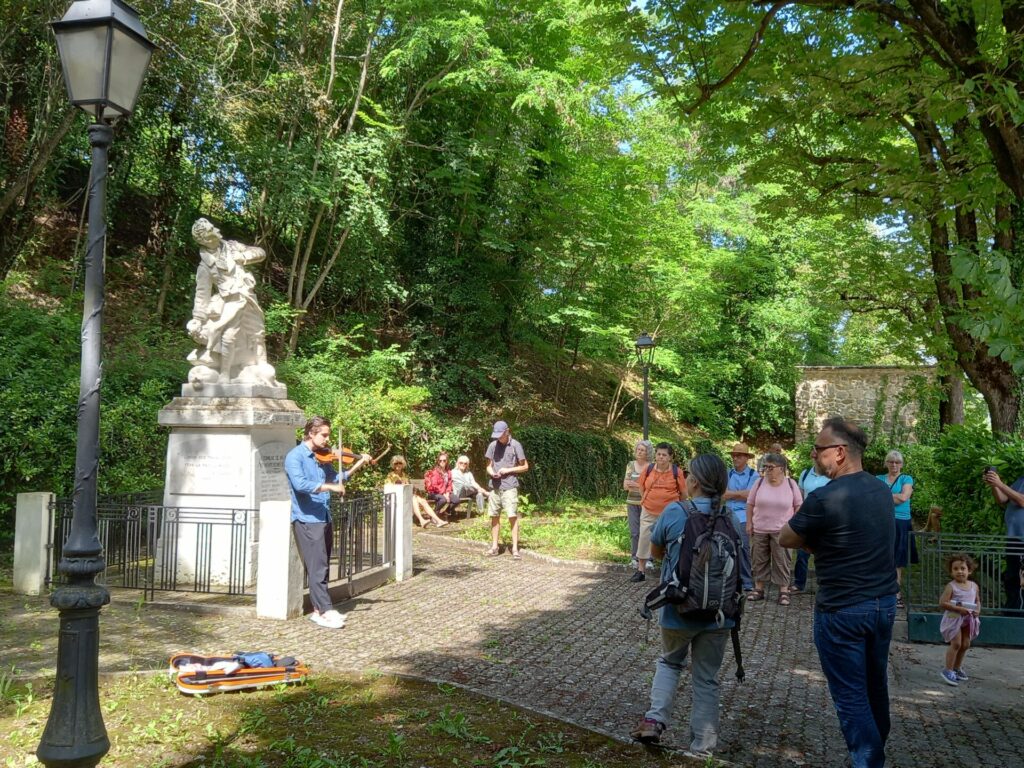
<point>224,455</point>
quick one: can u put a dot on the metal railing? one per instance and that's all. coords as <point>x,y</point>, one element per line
<point>156,548</point>
<point>998,576</point>
<point>363,531</point>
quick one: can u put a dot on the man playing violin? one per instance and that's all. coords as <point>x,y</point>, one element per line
<point>311,482</point>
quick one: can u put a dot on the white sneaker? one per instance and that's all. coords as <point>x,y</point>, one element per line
<point>335,618</point>
<point>650,565</point>
<point>633,563</point>
<point>325,620</point>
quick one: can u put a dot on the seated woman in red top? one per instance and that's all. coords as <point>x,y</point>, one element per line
<point>438,485</point>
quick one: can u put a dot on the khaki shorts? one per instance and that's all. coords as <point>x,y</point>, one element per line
<point>507,500</point>
<point>643,546</point>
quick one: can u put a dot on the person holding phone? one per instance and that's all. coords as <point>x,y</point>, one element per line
<point>1011,498</point>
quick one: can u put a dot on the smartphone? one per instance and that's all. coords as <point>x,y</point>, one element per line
<point>989,469</point>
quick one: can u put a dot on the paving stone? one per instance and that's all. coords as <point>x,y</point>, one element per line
<point>568,641</point>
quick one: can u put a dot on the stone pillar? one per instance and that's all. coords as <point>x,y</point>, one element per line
<point>224,453</point>
<point>31,535</point>
<point>402,495</point>
<point>279,579</point>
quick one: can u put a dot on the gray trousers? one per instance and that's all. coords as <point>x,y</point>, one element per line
<point>633,518</point>
<point>708,649</point>
<point>315,540</point>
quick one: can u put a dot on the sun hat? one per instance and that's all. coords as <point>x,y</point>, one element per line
<point>500,428</point>
<point>741,449</point>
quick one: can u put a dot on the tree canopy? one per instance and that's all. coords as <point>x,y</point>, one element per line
<point>455,192</point>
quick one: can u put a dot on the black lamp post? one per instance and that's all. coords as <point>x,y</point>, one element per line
<point>104,52</point>
<point>645,355</point>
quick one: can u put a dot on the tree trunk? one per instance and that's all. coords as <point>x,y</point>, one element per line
<point>951,408</point>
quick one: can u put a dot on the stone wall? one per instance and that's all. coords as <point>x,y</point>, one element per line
<point>853,392</point>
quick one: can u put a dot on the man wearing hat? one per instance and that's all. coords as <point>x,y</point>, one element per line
<point>741,480</point>
<point>506,460</point>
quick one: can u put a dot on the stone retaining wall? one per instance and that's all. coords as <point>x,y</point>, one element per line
<point>854,392</point>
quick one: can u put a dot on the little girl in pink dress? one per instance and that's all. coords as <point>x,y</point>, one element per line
<point>960,624</point>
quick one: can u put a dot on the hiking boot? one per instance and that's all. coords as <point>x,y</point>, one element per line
<point>950,677</point>
<point>648,731</point>
<point>637,576</point>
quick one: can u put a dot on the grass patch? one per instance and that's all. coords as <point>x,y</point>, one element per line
<point>331,722</point>
<point>574,530</point>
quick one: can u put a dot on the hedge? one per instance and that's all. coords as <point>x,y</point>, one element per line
<point>572,464</point>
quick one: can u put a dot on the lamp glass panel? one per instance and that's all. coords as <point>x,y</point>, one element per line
<point>83,53</point>
<point>129,60</point>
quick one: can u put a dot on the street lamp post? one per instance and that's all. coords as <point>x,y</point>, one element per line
<point>645,355</point>
<point>104,52</point>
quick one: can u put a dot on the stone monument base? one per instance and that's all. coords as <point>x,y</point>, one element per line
<point>225,457</point>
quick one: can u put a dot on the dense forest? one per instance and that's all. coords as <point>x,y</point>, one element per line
<point>472,207</point>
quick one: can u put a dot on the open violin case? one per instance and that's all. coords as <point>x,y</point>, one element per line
<point>197,674</point>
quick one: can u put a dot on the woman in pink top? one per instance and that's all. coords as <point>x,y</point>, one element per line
<point>773,499</point>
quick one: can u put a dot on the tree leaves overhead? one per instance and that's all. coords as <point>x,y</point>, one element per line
<point>759,185</point>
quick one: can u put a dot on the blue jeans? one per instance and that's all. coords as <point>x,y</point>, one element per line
<point>803,560</point>
<point>853,646</point>
<point>746,572</point>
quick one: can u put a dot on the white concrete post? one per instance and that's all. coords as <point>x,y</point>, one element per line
<point>31,531</point>
<point>279,568</point>
<point>403,529</point>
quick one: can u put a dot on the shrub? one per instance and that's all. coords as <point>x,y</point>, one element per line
<point>963,453</point>
<point>580,465</point>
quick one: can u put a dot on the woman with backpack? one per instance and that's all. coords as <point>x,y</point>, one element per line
<point>701,637</point>
<point>774,499</point>
<point>660,484</point>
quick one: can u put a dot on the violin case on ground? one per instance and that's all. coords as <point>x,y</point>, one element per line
<point>197,674</point>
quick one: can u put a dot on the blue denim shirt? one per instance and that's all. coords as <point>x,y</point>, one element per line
<point>305,475</point>
<point>740,481</point>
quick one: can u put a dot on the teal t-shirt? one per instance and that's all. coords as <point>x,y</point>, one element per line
<point>902,510</point>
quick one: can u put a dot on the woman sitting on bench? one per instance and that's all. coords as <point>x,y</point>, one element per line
<point>420,507</point>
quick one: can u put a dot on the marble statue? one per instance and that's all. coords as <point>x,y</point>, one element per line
<point>227,322</point>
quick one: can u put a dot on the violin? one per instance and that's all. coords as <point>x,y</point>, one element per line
<point>346,456</point>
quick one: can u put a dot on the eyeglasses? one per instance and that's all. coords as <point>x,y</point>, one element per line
<point>766,467</point>
<point>823,448</point>
<point>895,463</point>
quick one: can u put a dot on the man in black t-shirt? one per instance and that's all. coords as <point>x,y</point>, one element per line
<point>849,526</point>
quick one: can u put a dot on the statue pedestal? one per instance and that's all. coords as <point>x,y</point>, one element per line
<point>224,455</point>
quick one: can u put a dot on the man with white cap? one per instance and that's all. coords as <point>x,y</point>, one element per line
<point>506,460</point>
<point>741,480</point>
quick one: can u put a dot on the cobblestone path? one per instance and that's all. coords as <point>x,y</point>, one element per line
<point>568,641</point>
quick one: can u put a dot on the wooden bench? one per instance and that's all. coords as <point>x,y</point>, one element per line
<point>419,488</point>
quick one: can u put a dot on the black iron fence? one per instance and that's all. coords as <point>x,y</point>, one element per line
<point>999,577</point>
<point>155,548</point>
<point>363,530</point>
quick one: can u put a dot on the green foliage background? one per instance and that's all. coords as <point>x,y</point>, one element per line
<point>470,209</point>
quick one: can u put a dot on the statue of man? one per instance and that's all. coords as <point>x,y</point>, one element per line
<point>227,322</point>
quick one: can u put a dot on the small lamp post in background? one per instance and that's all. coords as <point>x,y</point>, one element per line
<point>104,52</point>
<point>645,356</point>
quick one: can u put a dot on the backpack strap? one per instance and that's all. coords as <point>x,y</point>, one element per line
<point>798,497</point>
<point>752,496</point>
<point>803,476</point>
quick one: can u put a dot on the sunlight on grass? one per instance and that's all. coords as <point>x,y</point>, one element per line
<point>573,530</point>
